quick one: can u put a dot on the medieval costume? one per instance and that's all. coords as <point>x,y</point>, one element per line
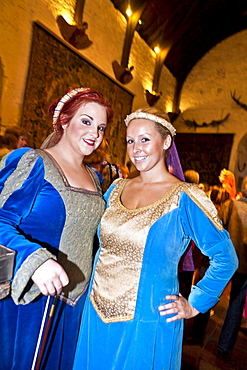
<point>43,217</point>
<point>137,267</point>
<point>133,315</point>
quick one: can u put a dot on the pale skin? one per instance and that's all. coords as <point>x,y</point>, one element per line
<point>81,136</point>
<point>146,149</point>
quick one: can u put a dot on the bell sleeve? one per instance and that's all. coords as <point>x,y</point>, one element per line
<point>21,179</point>
<point>201,223</point>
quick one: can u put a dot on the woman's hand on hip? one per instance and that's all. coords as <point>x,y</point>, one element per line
<point>180,307</point>
<point>50,278</point>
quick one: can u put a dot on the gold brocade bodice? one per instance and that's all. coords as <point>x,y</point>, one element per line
<point>123,234</point>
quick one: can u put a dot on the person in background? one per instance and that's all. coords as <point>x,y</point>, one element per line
<point>192,176</point>
<point>218,196</point>
<point>101,161</point>
<point>133,315</point>
<point>22,141</point>
<point>234,216</point>
<point>227,180</point>
<point>205,187</point>
<point>243,325</point>
<point>124,171</point>
<point>19,138</point>
<point>3,147</point>
<point>50,206</point>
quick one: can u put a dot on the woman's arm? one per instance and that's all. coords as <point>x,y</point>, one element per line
<point>21,179</point>
<point>200,223</point>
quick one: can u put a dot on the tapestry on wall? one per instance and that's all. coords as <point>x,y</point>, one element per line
<point>207,154</point>
<point>54,67</point>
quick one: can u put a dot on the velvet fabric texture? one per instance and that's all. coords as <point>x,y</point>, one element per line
<point>148,341</point>
<point>32,221</point>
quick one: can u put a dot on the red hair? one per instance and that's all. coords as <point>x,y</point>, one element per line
<point>71,106</point>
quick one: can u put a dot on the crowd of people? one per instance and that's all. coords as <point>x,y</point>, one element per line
<point>168,245</point>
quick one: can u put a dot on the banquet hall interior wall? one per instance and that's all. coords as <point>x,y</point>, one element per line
<point>206,93</point>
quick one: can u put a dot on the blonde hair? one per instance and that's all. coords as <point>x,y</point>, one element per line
<point>192,176</point>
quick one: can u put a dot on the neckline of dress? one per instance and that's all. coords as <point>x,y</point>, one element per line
<point>156,203</point>
<point>64,178</point>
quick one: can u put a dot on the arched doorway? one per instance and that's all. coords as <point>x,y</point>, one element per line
<point>207,154</point>
<point>241,162</point>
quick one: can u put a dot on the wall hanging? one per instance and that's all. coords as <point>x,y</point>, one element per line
<point>53,68</point>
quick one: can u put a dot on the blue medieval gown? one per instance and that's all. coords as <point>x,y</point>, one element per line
<point>136,267</point>
<point>42,217</point>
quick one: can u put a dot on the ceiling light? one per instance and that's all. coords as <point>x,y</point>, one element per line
<point>129,11</point>
<point>157,50</point>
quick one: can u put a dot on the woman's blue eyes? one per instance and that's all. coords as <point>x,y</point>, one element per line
<point>88,123</point>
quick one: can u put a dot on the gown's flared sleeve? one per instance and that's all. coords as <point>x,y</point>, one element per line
<point>21,178</point>
<point>201,224</point>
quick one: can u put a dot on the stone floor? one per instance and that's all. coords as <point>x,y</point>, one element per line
<point>204,357</point>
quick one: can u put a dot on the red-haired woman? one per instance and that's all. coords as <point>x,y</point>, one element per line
<point>50,206</point>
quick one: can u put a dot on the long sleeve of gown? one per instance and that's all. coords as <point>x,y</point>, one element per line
<point>201,223</point>
<point>21,178</point>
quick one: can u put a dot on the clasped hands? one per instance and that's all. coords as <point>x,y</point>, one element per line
<point>50,278</point>
<point>180,307</point>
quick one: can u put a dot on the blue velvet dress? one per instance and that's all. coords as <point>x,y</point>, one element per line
<point>42,217</point>
<point>136,267</point>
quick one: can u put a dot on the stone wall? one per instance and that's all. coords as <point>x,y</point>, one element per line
<point>106,28</point>
<point>205,95</point>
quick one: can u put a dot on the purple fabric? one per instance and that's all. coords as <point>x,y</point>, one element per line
<point>173,163</point>
<point>187,261</point>
<point>174,167</point>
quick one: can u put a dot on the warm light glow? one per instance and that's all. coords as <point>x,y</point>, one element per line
<point>148,87</point>
<point>157,50</point>
<point>68,18</point>
<point>168,107</point>
<point>140,21</point>
<point>129,11</point>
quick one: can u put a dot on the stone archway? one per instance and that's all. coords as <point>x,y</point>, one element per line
<point>241,162</point>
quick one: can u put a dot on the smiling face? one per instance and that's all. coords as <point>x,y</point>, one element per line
<point>145,146</point>
<point>85,131</point>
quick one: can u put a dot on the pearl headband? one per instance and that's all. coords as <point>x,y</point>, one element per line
<point>63,100</point>
<point>150,117</point>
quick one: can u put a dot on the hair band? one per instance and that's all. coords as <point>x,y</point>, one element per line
<point>150,117</point>
<point>63,100</point>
